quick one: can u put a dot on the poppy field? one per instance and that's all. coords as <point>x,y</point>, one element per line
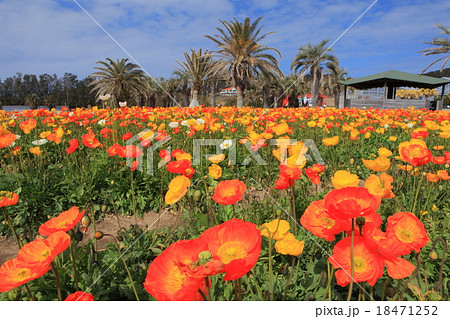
<point>269,204</point>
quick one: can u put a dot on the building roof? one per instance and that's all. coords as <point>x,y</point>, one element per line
<point>395,79</point>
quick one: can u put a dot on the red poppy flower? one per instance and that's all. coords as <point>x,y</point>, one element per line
<point>114,149</point>
<point>73,145</point>
<point>129,151</point>
<point>367,265</point>
<point>13,274</point>
<point>63,222</point>
<point>229,192</point>
<point>167,281</point>
<point>178,167</point>
<point>438,160</point>
<point>317,220</point>
<point>351,202</point>
<point>283,182</point>
<point>8,198</point>
<point>80,296</point>
<point>313,173</point>
<point>235,243</point>
<point>291,171</point>
<point>127,136</point>
<point>89,140</point>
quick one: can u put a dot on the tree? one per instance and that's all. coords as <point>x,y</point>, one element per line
<point>441,45</point>
<point>311,59</point>
<point>334,77</point>
<point>32,101</point>
<point>198,66</point>
<point>241,54</point>
<point>121,79</point>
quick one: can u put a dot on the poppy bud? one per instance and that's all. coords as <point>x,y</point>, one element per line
<point>360,221</point>
<point>433,255</point>
<point>104,208</point>
<point>389,292</point>
<point>433,296</point>
<point>85,221</point>
<point>440,188</point>
<point>98,235</point>
<point>279,213</point>
<point>197,195</point>
<point>190,193</point>
<point>352,161</point>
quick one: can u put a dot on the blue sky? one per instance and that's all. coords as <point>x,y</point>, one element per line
<point>51,36</point>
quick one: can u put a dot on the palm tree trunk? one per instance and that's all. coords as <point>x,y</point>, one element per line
<point>315,88</point>
<point>240,95</point>
<point>213,94</point>
<point>337,93</point>
<point>265,94</point>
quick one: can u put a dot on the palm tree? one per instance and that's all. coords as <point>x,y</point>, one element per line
<point>121,79</point>
<point>441,46</point>
<point>266,85</point>
<point>33,100</point>
<point>198,66</point>
<point>334,77</point>
<point>311,59</point>
<point>241,54</point>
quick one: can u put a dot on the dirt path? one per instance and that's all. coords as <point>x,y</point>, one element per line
<point>109,225</point>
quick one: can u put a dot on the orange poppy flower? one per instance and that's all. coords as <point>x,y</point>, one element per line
<point>404,233</point>
<point>277,228</point>
<point>13,274</point>
<point>384,152</point>
<point>380,164</point>
<point>351,202</point>
<point>313,173</point>
<point>330,141</point>
<point>433,178</point>
<point>63,222</point>
<point>177,189</point>
<point>166,281</point>
<point>289,245</point>
<point>73,145</point>
<point>367,265</point>
<point>343,179</point>
<point>80,296</point>
<point>398,268</point>
<point>215,171</point>
<point>35,150</point>
<point>443,175</point>
<point>236,243</point>
<point>114,149</point>
<point>438,160</point>
<point>291,171</point>
<point>7,139</point>
<point>229,192</point>
<point>28,126</point>
<point>415,152</point>
<point>8,198</point>
<point>380,185</point>
<point>43,251</point>
<point>215,159</point>
<point>317,220</point>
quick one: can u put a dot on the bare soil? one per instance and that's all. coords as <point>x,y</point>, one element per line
<point>109,225</point>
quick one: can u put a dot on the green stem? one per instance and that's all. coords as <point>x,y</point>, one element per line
<point>208,289</point>
<point>29,292</point>
<point>133,201</point>
<point>417,194</point>
<point>58,286</point>
<point>350,288</point>
<point>294,259</point>
<point>270,268</point>
<point>8,221</point>
<point>125,265</point>
<point>75,272</point>
<point>293,207</point>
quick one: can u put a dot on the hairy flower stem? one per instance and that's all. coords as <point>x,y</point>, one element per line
<point>208,290</point>
<point>58,286</point>
<point>288,283</point>
<point>8,221</point>
<point>75,272</point>
<point>440,283</point>
<point>417,195</point>
<point>270,268</point>
<point>29,292</point>
<point>293,207</point>
<point>352,257</point>
<point>237,289</point>
<point>125,265</point>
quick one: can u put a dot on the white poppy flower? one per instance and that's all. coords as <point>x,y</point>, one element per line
<point>40,142</point>
<point>173,124</point>
<point>122,104</point>
<point>102,122</point>
<point>226,144</point>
